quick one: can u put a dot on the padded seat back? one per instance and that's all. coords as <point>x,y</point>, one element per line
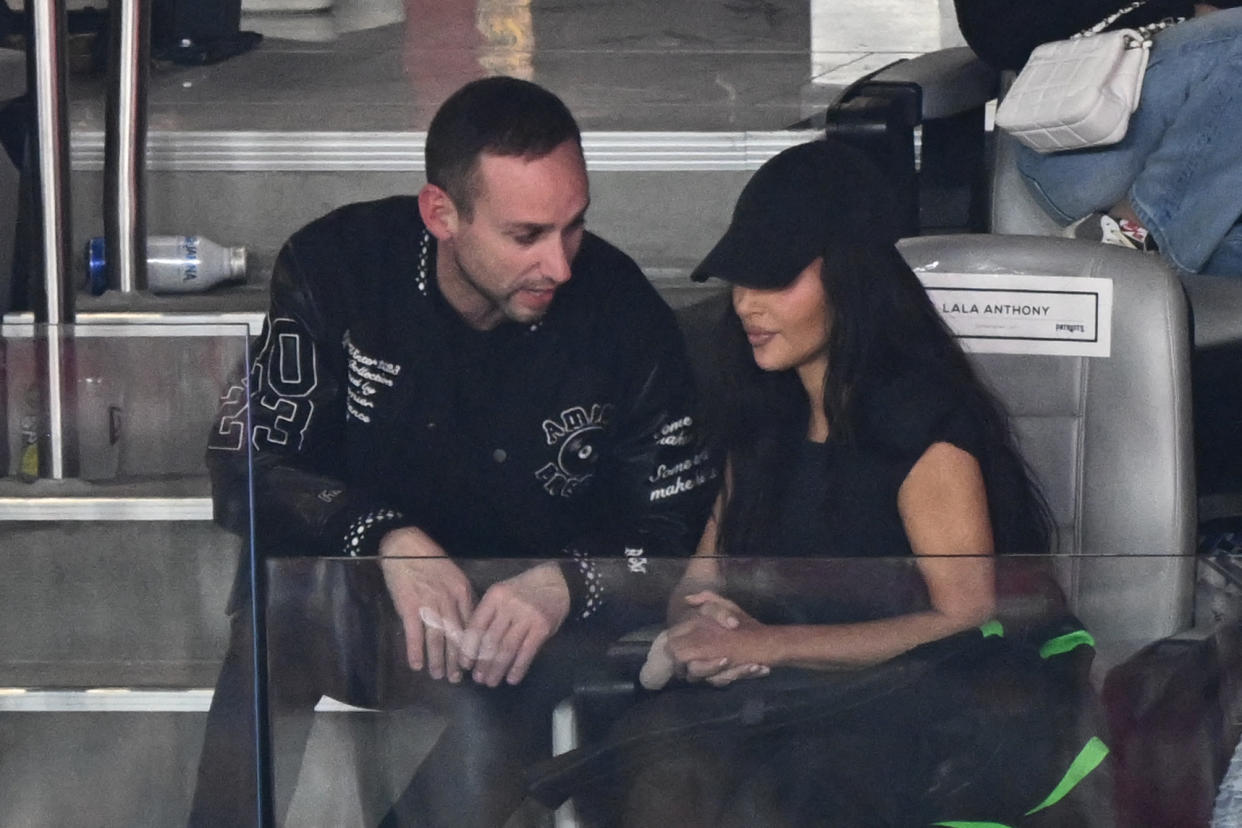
<point>1216,300</point>
<point>1109,438</point>
<point>1014,211</point>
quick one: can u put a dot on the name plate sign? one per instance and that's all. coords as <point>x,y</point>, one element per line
<point>1007,313</point>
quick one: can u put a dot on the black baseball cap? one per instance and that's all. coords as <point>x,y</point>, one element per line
<point>798,202</point>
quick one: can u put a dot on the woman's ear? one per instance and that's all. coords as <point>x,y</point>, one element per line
<point>440,215</point>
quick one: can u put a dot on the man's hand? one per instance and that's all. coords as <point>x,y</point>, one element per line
<point>512,621</point>
<point>433,597</point>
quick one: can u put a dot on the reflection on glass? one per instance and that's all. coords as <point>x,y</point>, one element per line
<point>508,37</point>
<point>138,401</point>
<point>114,584</point>
<point>1035,711</point>
<point>452,42</point>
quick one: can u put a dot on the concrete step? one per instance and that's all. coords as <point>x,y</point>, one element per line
<point>140,400</point>
<point>121,603</point>
<point>110,758</point>
<point>663,197</point>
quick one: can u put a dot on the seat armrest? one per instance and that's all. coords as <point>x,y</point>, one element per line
<point>953,81</point>
<point>602,691</point>
<point>1217,304</point>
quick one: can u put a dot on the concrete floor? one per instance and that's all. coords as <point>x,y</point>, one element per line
<point>362,65</point>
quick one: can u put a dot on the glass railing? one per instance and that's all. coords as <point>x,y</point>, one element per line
<point>112,622</point>
<point>135,400</point>
<point>1098,691</point>
<point>1048,709</point>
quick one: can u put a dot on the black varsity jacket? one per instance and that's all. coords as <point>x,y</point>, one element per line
<point>371,405</point>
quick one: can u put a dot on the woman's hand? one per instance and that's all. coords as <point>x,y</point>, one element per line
<point>720,609</point>
<point>662,665</point>
<point>711,614</point>
<point>728,675</point>
<point>729,616</point>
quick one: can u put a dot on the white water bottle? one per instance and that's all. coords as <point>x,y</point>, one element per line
<point>175,264</point>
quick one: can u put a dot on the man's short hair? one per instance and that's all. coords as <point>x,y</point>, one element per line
<point>501,116</point>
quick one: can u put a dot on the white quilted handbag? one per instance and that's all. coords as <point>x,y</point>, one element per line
<point>1077,93</point>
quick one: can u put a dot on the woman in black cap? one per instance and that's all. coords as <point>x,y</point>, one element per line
<point>839,589</point>
<point>853,424</point>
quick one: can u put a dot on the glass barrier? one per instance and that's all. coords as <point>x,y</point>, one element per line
<point>116,577</point>
<point>794,692</point>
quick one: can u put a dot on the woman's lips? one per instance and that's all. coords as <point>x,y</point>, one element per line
<point>758,336</point>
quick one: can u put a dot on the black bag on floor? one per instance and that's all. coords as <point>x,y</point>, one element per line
<point>998,728</point>
<point>1174,712</point>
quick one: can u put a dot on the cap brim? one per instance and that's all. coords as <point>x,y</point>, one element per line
<point>717,263</point>
<point>753,261</point>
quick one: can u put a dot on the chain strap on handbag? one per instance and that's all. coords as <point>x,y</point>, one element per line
<point>1110,20</point>
<point>1144,33</point>
<point>1080,92</point>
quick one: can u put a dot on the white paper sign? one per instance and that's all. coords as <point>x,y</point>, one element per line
<point>1007,313</point>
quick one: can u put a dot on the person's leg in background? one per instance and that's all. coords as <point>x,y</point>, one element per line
<point>1189,192</point>
<point>1180,165</point>
<point>226,791</point>
<point>1226,260</point>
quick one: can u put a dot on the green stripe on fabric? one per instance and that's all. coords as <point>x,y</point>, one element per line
<point>989,629</point>
<point>968,825</point>
<point>1087,760</point>
<point>1065,643</point>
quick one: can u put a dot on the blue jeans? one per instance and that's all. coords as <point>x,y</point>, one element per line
<point>1180,164</point>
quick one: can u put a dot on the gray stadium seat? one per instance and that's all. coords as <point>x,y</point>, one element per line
<point>1109,438</point>
<point>952,82</point>
<point>1217,300</point>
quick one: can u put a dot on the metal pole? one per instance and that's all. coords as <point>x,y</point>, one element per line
<point>49,68</point>
<point>259,589</point>
<point>125,143</point>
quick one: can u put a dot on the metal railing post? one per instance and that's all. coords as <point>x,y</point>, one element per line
<point>48,67</point>
<point>125,144</point>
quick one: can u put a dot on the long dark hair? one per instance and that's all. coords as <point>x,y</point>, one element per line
<point>882,326</point>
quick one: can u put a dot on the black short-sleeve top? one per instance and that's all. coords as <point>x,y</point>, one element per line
<point>842,496</point>
<point>840,503</point>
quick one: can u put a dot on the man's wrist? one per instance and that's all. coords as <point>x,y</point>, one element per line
<point>366,532</point>
<point>408,542</point>
<point>586,590</point>
<point>557,583</point>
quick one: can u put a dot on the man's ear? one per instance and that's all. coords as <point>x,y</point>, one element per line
<point>439,213</point>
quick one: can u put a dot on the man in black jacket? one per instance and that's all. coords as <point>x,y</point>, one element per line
<point>494,402</point>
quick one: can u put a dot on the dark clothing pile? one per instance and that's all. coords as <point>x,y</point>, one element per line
<point>1004,32</point>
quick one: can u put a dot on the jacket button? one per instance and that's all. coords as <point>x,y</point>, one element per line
<point>499,455</point>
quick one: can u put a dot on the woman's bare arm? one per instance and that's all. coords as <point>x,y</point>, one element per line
<point>943,506</point>
<point>703,570</point>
